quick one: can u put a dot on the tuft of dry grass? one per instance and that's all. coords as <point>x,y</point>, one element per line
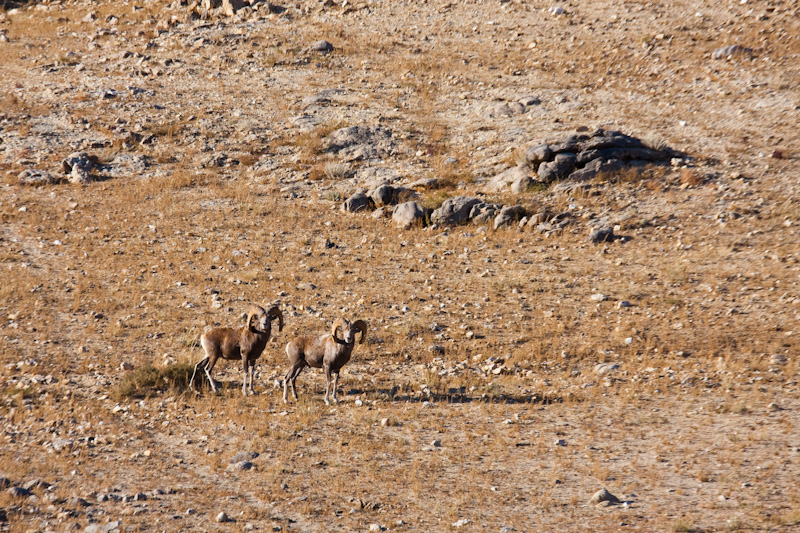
<point>148,381</point>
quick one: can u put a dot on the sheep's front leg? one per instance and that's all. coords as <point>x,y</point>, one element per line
<point>252,371</point>
<point>328,386</point>
<point>335,384</point>
<point>245,365</point>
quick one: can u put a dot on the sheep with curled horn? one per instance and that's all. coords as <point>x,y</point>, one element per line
<point>245,343</point>
<point>329,352</point>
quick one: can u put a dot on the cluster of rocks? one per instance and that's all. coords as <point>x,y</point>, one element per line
<point>228,8</point>
<point>459,210</point>
<point>578,158</point>
<point>82,168</point>
<point>360,143</point>
<point>515,107</point>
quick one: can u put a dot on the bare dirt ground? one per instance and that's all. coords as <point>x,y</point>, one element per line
<point>508,374</point>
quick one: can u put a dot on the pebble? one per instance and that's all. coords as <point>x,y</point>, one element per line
<point>222,517</point>
<point>461,523</point>
<point>597,297</point>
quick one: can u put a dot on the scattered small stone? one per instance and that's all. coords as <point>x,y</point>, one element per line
<point>222,517</point>
<point>436,443</point>
<point>461,523</point>
<point>126,366</point>
<point>560,442</point>
<point>598,297</point>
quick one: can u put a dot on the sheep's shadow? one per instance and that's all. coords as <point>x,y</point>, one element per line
<point>452,395</point>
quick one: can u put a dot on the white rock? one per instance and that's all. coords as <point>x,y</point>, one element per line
<point>222,517</point>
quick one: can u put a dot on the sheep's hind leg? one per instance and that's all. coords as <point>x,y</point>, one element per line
<point>203,361</point>
<point>290,378</point>
<point>209,368</point>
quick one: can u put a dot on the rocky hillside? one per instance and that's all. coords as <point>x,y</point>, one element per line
<point>572,230</point>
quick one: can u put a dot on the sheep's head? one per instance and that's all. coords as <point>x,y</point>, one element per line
<point>261,319</point>
<point>348,331</point>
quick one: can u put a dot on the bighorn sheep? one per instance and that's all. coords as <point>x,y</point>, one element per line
<point>245,342</point>
<point>330,352</point>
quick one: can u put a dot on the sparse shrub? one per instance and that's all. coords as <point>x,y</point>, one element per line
<point>333,196</point>
<point>336,170</point>
<point>150,380</point>
<point>690,177</point>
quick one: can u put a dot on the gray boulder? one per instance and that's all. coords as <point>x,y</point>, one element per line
<point>35,177</point>
<point>409,214</point>
<point>623,154</point>
<point>604,234</point>
<point>507,215</point>
<point>596,167</point>
<point>484,213</point>
<point>538,154</point>
<point>561,166</point>
<point>518,179</point>
<point>604,497</point>
<point>454,210</point>
<point>322,46</point>
<point>78,165</point>
<point>358,202</point>
<point>383,195</point>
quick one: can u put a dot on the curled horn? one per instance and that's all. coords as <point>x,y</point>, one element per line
<point>275,312</point>
<point>254,311</point>
<point>362,327</point>
<point>339,323</point>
